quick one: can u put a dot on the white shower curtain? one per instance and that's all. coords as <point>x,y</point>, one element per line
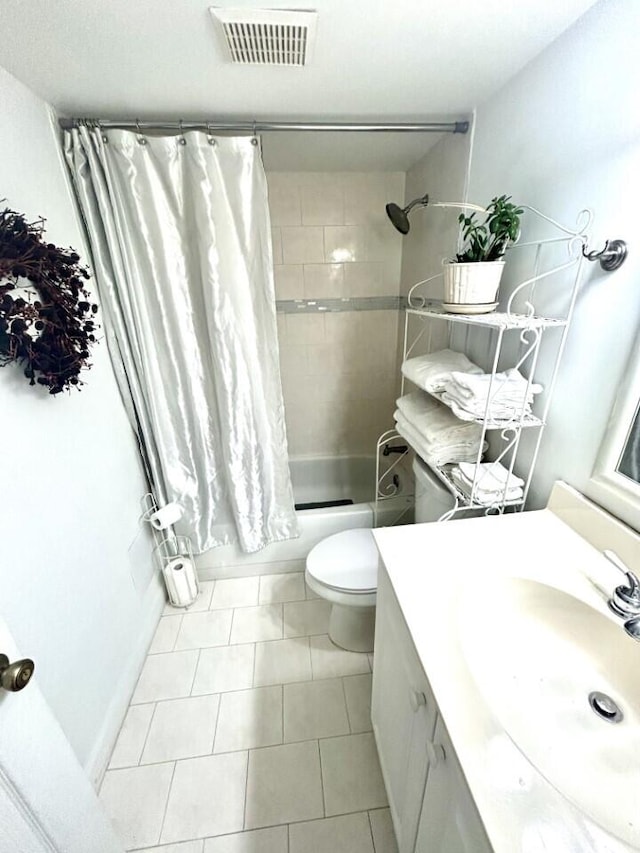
<point>180,240</point>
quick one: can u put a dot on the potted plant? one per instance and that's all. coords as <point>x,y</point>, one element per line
<point>471,281</point>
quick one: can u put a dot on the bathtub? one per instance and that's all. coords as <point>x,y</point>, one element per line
<point>316,480</point>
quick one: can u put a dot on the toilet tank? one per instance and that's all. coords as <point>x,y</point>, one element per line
<point>433,498</point>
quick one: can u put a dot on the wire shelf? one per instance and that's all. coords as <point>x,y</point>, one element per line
<point>496,319</point>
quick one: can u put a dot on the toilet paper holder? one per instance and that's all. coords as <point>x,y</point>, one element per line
<point>172,552</point>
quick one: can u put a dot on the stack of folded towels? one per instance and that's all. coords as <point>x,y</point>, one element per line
<point>464,388</point>
<point>434,432</point>
<point>494,484</point>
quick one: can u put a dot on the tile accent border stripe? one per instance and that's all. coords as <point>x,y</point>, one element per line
<point>360,303</point>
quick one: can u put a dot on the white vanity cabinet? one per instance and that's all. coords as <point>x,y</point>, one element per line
<point>431,807</point>
<point>403,713</point>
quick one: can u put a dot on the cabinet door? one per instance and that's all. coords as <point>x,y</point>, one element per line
<point>449,822</point>
<point>403,714</point>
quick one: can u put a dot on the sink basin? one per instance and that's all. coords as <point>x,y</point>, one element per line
<point>536,654</point>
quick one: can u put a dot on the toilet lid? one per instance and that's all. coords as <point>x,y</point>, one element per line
<point>347,560</point>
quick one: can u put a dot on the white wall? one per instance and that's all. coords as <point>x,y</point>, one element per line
<point>562,135</point>
<point>71,490</point>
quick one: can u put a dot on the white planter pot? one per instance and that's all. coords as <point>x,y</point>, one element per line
<point>472,284</point>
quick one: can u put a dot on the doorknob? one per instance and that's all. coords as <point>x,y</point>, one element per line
<point>15,676</point>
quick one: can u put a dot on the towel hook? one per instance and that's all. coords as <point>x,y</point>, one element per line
<point>611,257</point>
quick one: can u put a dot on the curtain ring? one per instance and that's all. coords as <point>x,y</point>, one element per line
<point>210,138</point>
<point>103,135</point>
<point>141,139</point>
<point>181,139</point>
<point>254,140</point>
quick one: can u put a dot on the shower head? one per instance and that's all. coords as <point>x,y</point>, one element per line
<point>399,216</point>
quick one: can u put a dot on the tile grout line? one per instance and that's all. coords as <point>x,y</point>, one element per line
<point>166,802</point>
<point>175,642</point>
<point>346,703</point>
<point>193,677</point>
<point>246,793</point>
<point>373,841</point>
<point>215,728</point>
<point>324,802</point>
<point>146,738</point>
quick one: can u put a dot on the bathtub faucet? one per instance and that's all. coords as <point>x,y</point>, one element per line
<point>387,450</point>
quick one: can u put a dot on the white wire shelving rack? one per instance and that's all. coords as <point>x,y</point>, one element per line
<point>520,320</point>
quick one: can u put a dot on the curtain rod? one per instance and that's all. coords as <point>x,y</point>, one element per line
<point>262,126</point>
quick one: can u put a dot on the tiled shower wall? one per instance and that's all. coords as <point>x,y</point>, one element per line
<point>332,239</point>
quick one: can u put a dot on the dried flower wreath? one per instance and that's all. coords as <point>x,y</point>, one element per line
<point>48,324</point>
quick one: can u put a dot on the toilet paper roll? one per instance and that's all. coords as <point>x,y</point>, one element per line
<point>166,516</point>
<point>180,579</point>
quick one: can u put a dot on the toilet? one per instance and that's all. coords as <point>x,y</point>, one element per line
<point>343,568</point>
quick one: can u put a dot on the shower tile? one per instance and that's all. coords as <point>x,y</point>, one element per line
<point>165,635</point>
<point>276,245</point>
<point>235,592</point>
<point>283,785</point>
<point>346,834</point>
<point>200,630</point>
<point>253,624</point>
<point>351,775</point>
<point>328,661</point>
<point>249,719</point>
<point>284,587</point>
<point>305,329</point>
<point>384,839</point>
<point>130,743</point>
<point>271,840</point>
<point>224,668</point>
<point>165,676</point>
<point>357,689</point>
<point>134,800</point>
<point>323,203</point>
<point>293,362</point>
<point>314,709</point>
<point>282,662</point>
<point>181,728</point>
<point>289,281</point>
<point>302,245</point>
<point>364,199</point>
<point>367,279</point>
<point>302,618</point>
<point>345,244</point>
<point>206,797</point>
<point>284,200</point>
<point>324,281</point>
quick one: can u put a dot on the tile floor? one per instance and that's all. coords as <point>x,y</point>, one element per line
<point>249,732</point>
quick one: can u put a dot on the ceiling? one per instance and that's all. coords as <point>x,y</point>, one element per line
<point>403,60</point>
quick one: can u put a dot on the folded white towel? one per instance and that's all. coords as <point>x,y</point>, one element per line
<point>435,421</point>
<point>511,395</point>
<point>431,372</point>
<point>494,484</point>
<point>435,453</point>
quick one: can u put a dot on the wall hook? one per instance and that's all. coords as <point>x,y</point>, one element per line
<point>611,257</point>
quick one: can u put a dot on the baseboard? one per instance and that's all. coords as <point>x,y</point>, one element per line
<point>277,567</point>
<point>96,764</point>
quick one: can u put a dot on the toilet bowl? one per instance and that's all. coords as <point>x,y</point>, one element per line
<point>343,568</point>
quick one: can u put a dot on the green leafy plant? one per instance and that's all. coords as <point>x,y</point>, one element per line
<point>47,319</point>
<point>489,240</point>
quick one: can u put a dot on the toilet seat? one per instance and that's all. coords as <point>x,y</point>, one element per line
<point>346,562</point>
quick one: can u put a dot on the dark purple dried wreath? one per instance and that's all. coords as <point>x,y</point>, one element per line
<point>50,331</point>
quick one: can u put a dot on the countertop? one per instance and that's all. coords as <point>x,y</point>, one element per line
<point>432,567</point>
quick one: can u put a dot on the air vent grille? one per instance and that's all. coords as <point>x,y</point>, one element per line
<point>267,36</point>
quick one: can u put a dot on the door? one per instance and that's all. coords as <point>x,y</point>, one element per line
<point>449,822</point>
<point>47,804</point>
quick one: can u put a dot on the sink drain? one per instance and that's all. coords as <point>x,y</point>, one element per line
<point>605,707</point>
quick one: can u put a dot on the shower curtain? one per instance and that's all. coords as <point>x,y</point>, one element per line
<point>180,239</point>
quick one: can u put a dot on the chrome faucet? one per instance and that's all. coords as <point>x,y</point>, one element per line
<point>625,600</point>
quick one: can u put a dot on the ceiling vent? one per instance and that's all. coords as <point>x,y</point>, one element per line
<point>267,36</point>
